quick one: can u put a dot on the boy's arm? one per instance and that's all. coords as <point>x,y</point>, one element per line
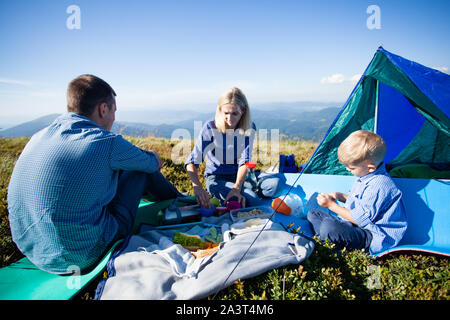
<point>339,196</point>
<point>327,201</point>
<point>343,212</point>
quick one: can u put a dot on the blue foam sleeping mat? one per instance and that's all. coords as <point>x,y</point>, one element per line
<point>427,203</point>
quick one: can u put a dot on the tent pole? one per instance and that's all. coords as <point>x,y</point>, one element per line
<point>377,93</point>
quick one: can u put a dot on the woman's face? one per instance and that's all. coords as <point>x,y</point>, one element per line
<point>231,114</point>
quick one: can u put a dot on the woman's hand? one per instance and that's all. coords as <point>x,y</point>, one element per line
<point>202,197</point>
<point>236,193</point>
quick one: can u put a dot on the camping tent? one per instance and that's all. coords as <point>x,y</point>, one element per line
<point>408,105</point>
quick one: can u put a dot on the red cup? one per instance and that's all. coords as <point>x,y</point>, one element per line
<point>232,205</point>
<point>250,164</point>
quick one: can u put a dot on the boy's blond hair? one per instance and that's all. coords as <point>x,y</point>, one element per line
<point>235,97</point>
<point>362,145</point>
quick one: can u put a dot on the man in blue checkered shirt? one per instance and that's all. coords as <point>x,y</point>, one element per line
<point>76,187</point>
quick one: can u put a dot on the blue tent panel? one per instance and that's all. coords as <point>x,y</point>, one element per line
<point>398,121</point>
<point>433,83</point>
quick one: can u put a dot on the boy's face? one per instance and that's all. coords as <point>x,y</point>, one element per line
<point>361,169</point>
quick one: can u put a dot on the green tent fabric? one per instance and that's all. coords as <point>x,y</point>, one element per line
<point>404,102</point>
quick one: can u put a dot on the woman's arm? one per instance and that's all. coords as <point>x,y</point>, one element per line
<point>236,191</point>
<point>201,195</point>
<point>245,156</point>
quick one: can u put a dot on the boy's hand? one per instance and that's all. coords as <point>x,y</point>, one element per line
<point>328,201</point>
<point>325,200</point>
<point>339,196</point>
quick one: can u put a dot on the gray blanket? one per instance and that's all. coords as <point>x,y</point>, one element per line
<point>150,266</point>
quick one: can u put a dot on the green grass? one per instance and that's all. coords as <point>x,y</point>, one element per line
<point>324,275</point>
<point>10,150</point>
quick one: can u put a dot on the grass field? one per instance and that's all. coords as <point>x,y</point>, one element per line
<point>324,275</point>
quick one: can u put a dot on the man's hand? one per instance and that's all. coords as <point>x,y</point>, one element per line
<point>236,193</point>
<point>325,200</point>
<point>160,162</point>
<point>202,197</point>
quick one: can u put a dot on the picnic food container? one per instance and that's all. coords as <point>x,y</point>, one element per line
<point>250,213</point>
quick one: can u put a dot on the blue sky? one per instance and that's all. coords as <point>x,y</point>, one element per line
<point>186,53</point>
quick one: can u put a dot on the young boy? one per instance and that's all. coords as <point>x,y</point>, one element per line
<point>373,216</point>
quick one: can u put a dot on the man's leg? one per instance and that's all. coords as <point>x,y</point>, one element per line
<point>160,188</point>
<point>125,203</point>
<point>132,185</point>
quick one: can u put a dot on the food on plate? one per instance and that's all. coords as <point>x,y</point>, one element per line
<point>250,223</point>
<point>205,252</point>
<point>188,240</point>
<point>192,242</point>
<point>254,212</point>
<point>253,222</point>
<point>213,235</point>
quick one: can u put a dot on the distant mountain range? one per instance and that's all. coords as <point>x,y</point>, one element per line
<point>292,120</point>
<point>27,129</point>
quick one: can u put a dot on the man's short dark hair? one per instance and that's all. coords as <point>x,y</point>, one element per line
<point>85,92</point>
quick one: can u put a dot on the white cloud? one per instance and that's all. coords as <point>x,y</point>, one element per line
<point>355,78</point>
<point>14,81</point>
<point>335,78</point>
<point>338,78</point>
<point>442,69</point>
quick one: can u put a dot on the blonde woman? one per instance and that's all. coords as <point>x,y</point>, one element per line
<point>226,143</point>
